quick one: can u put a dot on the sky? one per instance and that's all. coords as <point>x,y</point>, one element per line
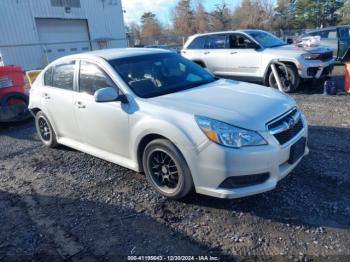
<point>162,8</point>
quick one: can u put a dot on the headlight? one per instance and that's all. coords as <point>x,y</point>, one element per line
<point>310,56</point>
<point>227,135</point>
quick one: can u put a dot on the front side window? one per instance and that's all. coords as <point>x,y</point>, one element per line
<point>160,74</point>
<point>237,41</point>
<point>48,77</point>
<point>92,78</point>
<point>198,43</point>
<point>266,39</point>
<point>63,75</point>
<point>215,42</point>
<point>344,33</point>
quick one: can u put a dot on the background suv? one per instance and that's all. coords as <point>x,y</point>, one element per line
<point>337,38</point>
<point>248,54</point>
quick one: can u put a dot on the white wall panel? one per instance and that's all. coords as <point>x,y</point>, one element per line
<point>19,33</point>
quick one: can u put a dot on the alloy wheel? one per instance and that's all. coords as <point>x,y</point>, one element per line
<point>44,129</point>
<point>164,171</point>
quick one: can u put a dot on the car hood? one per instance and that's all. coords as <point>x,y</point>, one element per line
<point>296,50</point>
<point>241,104</point>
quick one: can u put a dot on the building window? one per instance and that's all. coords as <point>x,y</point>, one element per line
<point>66,3</point>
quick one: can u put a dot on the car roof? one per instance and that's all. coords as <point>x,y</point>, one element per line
<point>327,28</point>
<point>115,53</point>
<point>245,31</point>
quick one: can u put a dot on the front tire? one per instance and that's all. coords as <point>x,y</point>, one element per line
<point>45,131</point>
<point>287,86</point>
<point>166,169</point>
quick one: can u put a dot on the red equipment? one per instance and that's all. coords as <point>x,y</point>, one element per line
<point>347,77</point>
<point>11,80</point>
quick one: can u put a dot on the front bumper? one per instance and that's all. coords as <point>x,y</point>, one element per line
<point>212,164</point>
<point>315,69</point>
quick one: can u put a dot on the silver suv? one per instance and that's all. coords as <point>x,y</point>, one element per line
<point>248,54</point>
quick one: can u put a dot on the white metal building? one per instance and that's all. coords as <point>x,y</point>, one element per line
<point>35,32</point>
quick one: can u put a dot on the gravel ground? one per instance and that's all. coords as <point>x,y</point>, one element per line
<point>64,204</point>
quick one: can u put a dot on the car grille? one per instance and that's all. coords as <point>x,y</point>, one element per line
<point>312,71</point>
<point>287,127</point>
<point>243,181</point>
<point>326,56</point>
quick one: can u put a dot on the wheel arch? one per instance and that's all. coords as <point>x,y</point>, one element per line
<point>268,70</point>
<point>199,62</point>
<point>35,110</point>
<point>142,145</point>
<point>145,132</point>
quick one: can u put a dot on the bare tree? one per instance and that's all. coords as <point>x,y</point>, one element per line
<point>201,19</point>
<point>151,28</point>
<point>254,14</point>
<point>345,13</point>
<point>134,33</point>
<point>183,18</point>
<point>220,18</point>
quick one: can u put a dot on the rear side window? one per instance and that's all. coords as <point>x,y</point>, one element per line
<point>48,77</point>
<point>215,42</point>
<point>63,75</point>
<point>93,78</point>
<point>198,43</point>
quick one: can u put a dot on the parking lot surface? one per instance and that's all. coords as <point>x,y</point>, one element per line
<point>67,204</point>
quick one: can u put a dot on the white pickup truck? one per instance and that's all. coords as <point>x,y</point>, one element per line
<point>248,55</point>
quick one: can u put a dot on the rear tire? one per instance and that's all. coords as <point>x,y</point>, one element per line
<point>45,131</point>
<point>166,169</point>
<point>293,76</point>
<point>14,96</point>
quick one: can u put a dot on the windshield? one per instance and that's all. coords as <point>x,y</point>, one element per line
<point>159,74</point>
<point>266,39</point>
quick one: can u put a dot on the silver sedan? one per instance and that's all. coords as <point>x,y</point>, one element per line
<point>153,111</point>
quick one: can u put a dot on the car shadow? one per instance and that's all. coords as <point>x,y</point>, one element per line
<point>316,193</point>
<point>38,227</point>
<point>316,86</point>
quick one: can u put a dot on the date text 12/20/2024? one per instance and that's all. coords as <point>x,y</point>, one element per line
<point>173,258</point>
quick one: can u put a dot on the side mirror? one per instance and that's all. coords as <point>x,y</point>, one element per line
<point>290,41</point>
<point>108,94</point>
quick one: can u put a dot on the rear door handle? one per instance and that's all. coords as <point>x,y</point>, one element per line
<point>233,53</point>
<point>46,96</point>
<point>207,53</point>
<point>80,105</point>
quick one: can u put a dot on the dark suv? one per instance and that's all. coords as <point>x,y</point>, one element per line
<point>337,38</point>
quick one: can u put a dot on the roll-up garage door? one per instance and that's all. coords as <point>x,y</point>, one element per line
<point>62,37</point>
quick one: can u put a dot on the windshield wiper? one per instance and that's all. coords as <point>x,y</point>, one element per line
<point>200,83</point>
<point>278,45</point>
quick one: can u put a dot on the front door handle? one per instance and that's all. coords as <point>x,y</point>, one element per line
<point>46,96</point>
<point>233,53</point>
<point>207,53</point>
<point>80,105</point>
